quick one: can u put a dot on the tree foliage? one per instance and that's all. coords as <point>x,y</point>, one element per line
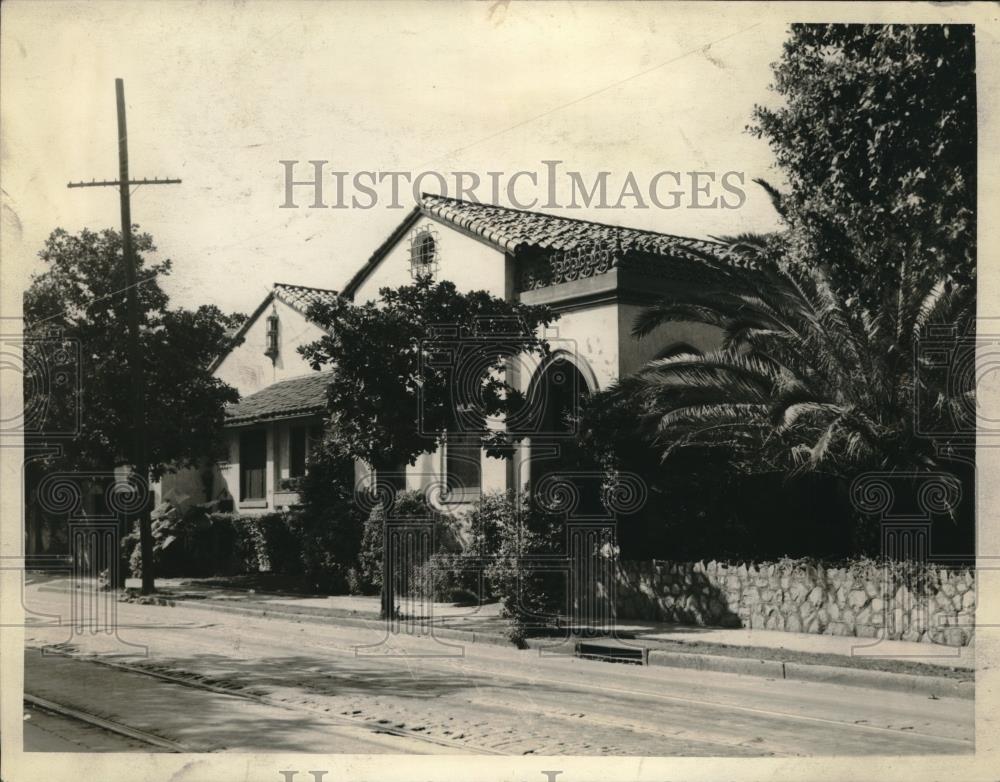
<point>876,137</point>
<point>76,309</point>
<point>804,381</point>
<point>328,522</point>
<point>421,360</point>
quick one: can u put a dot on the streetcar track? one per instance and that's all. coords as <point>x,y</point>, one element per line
<point>465,746</point>
<point>340,719</point>
<point>470,666</point>
<point>586,684</point>
<point>59,709</point>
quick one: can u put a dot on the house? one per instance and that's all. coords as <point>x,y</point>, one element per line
<point>597,277</point>
<point>269,431</point>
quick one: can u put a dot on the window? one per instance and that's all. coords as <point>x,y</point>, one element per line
<point>297,452</point>
<point>463,464</point>
<point>272,336</point>
<point>253,465</point>
<point>423,255</point>
<point>301,440</point>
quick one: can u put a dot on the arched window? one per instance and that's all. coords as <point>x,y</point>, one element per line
<point>423,255</point>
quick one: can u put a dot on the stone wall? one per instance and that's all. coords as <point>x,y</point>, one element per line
<point>863,599</point>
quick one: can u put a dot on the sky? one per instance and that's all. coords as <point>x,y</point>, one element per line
<point>218,93</point>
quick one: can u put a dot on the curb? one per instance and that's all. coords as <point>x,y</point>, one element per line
<point>772,669</point>
<point>355,619</point>
<point>929,685</point>
<point>937,686</point>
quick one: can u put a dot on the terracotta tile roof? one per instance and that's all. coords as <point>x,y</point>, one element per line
<point>284,399</point>
<point>301,297</point>
<point>514,229</point>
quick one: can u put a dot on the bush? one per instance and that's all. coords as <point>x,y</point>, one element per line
<point>508,529</point>
<point>446,578</point>
<point>278,548</point>
<point>195,543</point>
<point>328,523</point>
<point>406,506</point>
<point>192,543</point>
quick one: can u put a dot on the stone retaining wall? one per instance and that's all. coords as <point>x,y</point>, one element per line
<point>862,599</point>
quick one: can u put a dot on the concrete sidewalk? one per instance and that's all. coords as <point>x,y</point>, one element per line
<point>806,643</point>
<point>485,620</point>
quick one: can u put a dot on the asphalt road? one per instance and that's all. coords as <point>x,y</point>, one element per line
<point>279,685</point>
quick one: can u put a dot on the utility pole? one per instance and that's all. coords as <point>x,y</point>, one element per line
<point>140,465</point>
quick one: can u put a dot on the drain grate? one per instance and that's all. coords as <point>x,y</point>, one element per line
<point>612,653</point>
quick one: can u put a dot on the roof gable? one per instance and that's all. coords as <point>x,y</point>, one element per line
<point>298,297</point>
<point>517,230</point>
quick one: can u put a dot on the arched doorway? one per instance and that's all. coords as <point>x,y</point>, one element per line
<point>557,462</point>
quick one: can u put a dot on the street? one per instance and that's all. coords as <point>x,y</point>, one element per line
<point>214,681</point>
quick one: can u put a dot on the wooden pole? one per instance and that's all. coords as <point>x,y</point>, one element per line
<point>136,375</point>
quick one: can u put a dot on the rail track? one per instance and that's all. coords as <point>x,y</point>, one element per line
<point>385,727</point>
<point>58,709</point>
<point>376,727</point>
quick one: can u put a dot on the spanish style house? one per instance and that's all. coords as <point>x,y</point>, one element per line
<point>268,432</point>
<point>597,277</point>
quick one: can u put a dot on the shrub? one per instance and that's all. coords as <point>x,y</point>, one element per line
<point>191,543</point>
<point>406,506</point>
<point>278,548</point>
<point>509,529</point>
<point>196,543</point>
<point>328,523</point>
<point>446,578</point>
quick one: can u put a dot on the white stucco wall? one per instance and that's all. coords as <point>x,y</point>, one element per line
<point>467,262</point>
<point>181,488</point>
<point>635,353</point>
<point>589,337</point>
<point>248,370</point>
<point>471,265</point>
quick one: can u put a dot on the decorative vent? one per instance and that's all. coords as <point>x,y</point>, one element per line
<point>272,336</point>
<point>424,252</point>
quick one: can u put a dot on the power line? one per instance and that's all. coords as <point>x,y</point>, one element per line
<point>140,464</point>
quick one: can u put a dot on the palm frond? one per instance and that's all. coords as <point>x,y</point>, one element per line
<point>777,201</point>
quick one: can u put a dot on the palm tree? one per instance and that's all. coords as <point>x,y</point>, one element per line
<point>805,379</point>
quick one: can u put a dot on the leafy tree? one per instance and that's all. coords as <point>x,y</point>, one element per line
<point>421,360</point>
<point>877,140</point>
<point>77,307</point>
<point>803,381</point>
<point>820,371</point>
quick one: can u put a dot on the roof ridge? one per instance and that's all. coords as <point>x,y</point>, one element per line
<point>562,217</point>
<point>305,287</point>
<point>312,374</point>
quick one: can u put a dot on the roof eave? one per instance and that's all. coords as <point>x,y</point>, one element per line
<point>380,252</point>
<point>280,415</point>
<point>237,338</point>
